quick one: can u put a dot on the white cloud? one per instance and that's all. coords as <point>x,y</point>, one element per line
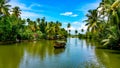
<point>74,15</point>
<point>86,7</point>
<point>83,27</point>
<point>76,23</point>
<point>21,5</point>
<point>66,13</point>
<point>69,14</point>
<point>25,13</point>
<point>79,26</point>
<point>72,28</point>
<point>34,4</point>
<point>28,14</point>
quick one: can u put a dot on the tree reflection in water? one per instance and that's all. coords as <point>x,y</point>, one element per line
<point>77,54</point>
<point>59,51</point>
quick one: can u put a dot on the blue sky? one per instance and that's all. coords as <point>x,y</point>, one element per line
<point>65,11</point>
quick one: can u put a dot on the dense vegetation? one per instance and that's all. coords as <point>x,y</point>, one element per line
<point>104,24</point>
<point>13,27</point>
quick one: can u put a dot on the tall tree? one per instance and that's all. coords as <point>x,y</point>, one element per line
<point>16,11</point>
<point>28,20</point>
<point>76,32</point>
<point>68,26</point>
<point>82,30</point>
<point>92,21</point>
<point>38,20</point>
<point>4,7</point>
<point>43,25</point>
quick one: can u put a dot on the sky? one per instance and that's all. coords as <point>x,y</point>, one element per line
<point>65,11</point>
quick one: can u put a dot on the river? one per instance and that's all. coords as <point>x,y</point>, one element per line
<point>41,54</point>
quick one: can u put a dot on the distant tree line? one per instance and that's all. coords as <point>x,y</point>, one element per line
<point>13,27</point>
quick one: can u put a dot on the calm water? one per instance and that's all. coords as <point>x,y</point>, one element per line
<point>41,54</point>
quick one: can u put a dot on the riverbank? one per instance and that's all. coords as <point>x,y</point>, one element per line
<point>20,41</point>
<point>12,42</point>
<point>101,45</point>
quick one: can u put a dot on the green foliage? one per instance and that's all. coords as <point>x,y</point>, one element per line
<point>105,30</point>
<point>113,38</point>
<point>13,28</point>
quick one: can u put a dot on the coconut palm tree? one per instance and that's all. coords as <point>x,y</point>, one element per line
<point>92,21</point>
<point>50,30</point>
<point>4,7</point>
<point>31,24</point>
<point>110,10</point>
<point>57,26</point>
<point>42,25</point>
<point>68,26</point>
<point>112,29</point>
<point>82,30</point>
<point>28,20</point>
<point>113,38</point>
<point>16,11</point>
<point>76,32</point>
<point>38,21</point>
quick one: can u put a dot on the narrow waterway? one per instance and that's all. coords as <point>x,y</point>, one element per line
<point>41,54</point>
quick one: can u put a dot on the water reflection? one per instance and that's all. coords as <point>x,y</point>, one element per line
<point>106,58</point>
<point>41,54</point>
<point>41,48</point>
<point>110,58</point>
<point>10,56</point>
<point>59,51</point>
